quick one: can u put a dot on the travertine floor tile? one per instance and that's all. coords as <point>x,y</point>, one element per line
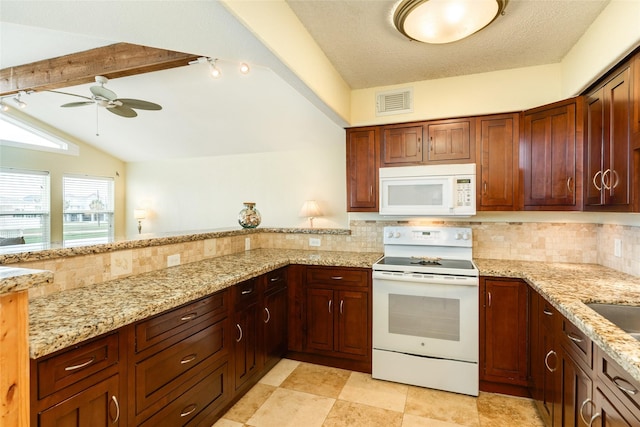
<point>316,379</point>
<point>443,406</point>
<point>290,408</point>
<point>416,421</point>
<point>249,403</point>
<point>497,409</point>
<point>351,414</point>
<point>223,422</point>
<point>280,372</point>
<point>361,388</point>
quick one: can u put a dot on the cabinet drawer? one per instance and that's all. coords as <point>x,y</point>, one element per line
<point>164,326</point>
<point>548,315</point>
<point>245,291</point>
<point>577,342</point>
<point>337,276</point>
<point>62,370</point>
<point>618,381</point>
<point>213,389</point>
<point>158,375</point>
<point>275,280</point>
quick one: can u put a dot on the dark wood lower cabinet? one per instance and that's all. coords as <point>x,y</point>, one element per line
<point>504,358</point>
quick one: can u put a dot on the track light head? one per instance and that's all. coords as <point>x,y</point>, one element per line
<point>244,68</point>
<point>213,68</point>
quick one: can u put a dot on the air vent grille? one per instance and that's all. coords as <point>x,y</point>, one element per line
<point>398,101</point>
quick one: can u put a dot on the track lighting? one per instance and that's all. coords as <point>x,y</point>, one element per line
<point>3,106</point>
<point>18,101</point>
<point>214,68</point>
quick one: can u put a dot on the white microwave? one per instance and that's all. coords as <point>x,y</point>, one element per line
<point>433,190</point>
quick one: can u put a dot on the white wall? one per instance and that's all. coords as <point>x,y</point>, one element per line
<point>206,193</point>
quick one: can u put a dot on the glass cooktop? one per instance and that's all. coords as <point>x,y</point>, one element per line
<point>430,262</point>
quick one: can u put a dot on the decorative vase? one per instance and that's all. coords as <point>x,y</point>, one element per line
<point>249,217</point>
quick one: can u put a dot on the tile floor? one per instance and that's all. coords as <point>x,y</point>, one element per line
<point>300,394</point>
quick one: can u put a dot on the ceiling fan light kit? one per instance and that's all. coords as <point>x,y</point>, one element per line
<point>445,21</point>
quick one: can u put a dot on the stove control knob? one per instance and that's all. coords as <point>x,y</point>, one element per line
<point>396,234</point>
<point>458,236</point>
<point>390,234</point>
<point>465,236</point>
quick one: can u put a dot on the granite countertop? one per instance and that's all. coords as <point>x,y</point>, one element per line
<point>65,318</point>
<point>568,287</point>
<point>20,279</point>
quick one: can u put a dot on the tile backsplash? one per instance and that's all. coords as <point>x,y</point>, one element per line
<point>524,241</point>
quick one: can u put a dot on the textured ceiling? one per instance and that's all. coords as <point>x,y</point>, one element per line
<point>360,40</point>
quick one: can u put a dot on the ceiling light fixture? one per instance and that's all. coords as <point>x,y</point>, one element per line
<point>17,100</point>
<point>244,68</point>
<point>3,106</point>
<point>445,21</point>
<point>213,68</point>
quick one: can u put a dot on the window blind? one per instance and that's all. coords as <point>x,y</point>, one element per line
<point>24,207</point>
<point>87,210</point>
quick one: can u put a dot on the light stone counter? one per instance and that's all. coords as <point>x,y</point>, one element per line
<point>568,287</point>
<point>20,279</point>
<point>69,317</point>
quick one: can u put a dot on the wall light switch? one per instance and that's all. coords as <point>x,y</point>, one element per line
<point>617,247</point>
<point>313,241</point>
<point>173,260</point>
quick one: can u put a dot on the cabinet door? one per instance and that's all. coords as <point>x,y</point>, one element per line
<point>352,330</point>
<point>576,393</point>
<point>594,148</point>
<point>551,145</point>
<point>450,140</point>
<point>275,326</point>
<point>320,308</point>
<point>362,170</point>
<point>611,413</point>
<point>505,331</point>
<point>497,160</point>
<point>245,346</point>
<point>96,406</point>
<point>401,145</point>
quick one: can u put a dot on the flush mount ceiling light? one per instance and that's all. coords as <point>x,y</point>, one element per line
<point>445,21</point>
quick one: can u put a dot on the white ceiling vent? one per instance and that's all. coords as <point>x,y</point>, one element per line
<point>398,101</point>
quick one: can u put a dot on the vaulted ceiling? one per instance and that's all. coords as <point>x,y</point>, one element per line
<point>270,108</point>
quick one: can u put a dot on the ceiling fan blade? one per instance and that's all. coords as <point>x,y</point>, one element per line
<point>139,104</point>
<point>103,92</point>
<point>123,111</point>
<point>77,104</point>
<point>71,94</point>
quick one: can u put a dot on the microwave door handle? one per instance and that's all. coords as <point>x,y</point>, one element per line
<point>452,200</point>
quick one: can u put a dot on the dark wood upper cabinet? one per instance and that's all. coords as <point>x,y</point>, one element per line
<point>450,141</point>
<point>401,145</point>
<point>551,156</point>
<point>608,145</point>
<point>362,169</point>
<point>497,174</point>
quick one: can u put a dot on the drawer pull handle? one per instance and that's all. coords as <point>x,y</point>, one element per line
<point>489,297</point>
<point>189,410</point>
<point>546,361</point>
<point>341,306</point>
<point>336,277</point>
<point>573,337</point>
<point>239,330</point>
<point>188,317</point>
<point>115,402</point>
<point>276,279</point>
<point>268,315</point>
<point>247,291</point>
<point>547,312</point>
<point>587,400</point>
<point>626,386</point>
<point>595,179</point>
<point>188,359</point>
<point>569,188</point>
<point>82,365</point>
<point>596,416</point>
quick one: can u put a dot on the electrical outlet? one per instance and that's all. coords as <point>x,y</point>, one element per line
<point>617,247</point>
<point>314,241</point>
<point>173,260</point>
<point>247,243</point>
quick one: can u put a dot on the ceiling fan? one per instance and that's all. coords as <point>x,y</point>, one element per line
<point>108,99</point>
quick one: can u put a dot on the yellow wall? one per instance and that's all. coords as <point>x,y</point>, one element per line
<point>90,161</point>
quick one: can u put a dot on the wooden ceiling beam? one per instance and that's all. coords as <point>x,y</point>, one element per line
<point>113,61</point>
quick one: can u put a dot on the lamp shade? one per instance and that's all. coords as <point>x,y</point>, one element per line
<point>445,21</point>
<point>139,214</point>
<point>310,209</point>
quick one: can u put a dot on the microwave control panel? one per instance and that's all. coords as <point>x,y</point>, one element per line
<point>464,192</point>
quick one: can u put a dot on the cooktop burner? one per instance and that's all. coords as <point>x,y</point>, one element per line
<point>427,262</point>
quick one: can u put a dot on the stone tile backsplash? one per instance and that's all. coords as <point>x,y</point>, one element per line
<point>524,241</point>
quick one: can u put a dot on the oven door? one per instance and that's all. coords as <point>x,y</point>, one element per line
<point>422,318</point>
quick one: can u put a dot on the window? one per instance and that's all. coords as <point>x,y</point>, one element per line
<point>87,211</point>
<point>24,207</point>
<point>18,133</point>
